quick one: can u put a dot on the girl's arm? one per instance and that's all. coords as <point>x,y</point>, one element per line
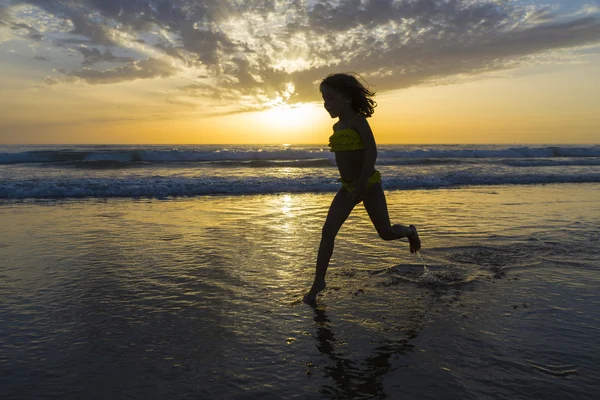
<point>362,127</point>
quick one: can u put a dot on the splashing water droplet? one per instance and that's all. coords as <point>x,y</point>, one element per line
<point>425,269</point>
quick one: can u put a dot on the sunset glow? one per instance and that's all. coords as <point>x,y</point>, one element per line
<point>182,71</point>
<point>286,118</point>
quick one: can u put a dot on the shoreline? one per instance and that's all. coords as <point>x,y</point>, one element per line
<point>482,188</point>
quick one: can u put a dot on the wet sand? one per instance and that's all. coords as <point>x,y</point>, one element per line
<point>200,298</point>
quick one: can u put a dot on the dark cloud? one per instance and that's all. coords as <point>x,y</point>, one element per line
<point>256,47</point>
<point>143,69</point>
<point>23,29</point>
<point>4,16</point>
<point>94,55</point>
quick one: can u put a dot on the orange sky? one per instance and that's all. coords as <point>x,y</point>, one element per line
<point>518,73</point>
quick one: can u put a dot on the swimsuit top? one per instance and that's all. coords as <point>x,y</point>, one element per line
<point>346,139</point>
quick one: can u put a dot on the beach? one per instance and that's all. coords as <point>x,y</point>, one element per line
<point>200,297</point>
<point>167,169</point>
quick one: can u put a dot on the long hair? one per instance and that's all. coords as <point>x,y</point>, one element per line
<point>349,86</point>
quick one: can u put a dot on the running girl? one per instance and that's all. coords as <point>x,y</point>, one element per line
<point>355,151</point>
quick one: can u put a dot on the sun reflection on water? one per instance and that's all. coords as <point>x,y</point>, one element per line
<point>284,216</point>
<point>286,207</point>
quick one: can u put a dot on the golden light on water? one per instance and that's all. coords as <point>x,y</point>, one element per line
<point>286,205</point>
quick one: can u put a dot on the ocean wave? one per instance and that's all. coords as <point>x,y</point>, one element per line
<point>492,152</point>
<point>160,156</point>
<point>246,156</point>
<point>116,164</point>
<point>520,162</point>
<point>552,162</point>
<point>157,186</point>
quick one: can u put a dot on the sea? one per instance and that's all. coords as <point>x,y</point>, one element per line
<point>177,272</point>
<point>60,172</point>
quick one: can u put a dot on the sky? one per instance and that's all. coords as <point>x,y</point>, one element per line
<point>216,71</point>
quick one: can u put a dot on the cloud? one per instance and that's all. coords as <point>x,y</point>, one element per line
<point>143,69</point>
<point>252,50</point>
<point>50,81</point>
<point>94,55</point>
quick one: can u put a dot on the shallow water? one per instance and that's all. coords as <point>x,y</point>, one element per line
<point>200,298</point>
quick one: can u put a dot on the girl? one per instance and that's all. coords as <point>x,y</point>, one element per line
<point>355,154</point>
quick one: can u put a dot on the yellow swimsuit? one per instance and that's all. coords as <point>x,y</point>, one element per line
<point>345,140</point>
<point>349,140</point>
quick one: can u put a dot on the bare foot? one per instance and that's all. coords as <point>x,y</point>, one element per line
<point>311,296</point>
<point>413,240</point>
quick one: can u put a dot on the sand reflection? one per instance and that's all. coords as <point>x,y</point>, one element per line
<point>355,379</point>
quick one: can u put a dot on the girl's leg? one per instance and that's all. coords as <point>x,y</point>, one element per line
<point>376,206</point>
<point>340,209</point>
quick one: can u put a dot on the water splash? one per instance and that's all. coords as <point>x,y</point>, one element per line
<point>425,269</point>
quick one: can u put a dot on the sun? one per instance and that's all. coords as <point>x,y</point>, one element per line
<point>298,123</point>
<point>290,117</point>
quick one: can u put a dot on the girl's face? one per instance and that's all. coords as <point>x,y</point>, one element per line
<point>334,102</point>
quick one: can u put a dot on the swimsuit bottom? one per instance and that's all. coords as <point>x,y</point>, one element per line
<point>349,186</point>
